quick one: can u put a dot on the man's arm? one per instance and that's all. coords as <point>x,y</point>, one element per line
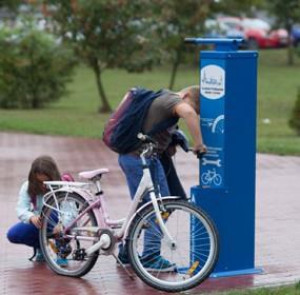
<point>186,112</point>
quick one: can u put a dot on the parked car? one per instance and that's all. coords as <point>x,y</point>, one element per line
<point>257,33</point>
<point>261,35</point>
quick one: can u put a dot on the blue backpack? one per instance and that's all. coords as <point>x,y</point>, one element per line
<point>122,128</point>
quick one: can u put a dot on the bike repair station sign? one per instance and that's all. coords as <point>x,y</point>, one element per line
<point>212,95</point>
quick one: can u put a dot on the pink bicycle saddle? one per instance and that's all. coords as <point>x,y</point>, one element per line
<point>93,173</point>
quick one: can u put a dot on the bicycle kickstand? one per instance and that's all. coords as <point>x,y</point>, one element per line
<point>126,270</point>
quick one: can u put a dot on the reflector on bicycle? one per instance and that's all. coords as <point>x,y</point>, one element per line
<point>164,216</point>
<point>192,269</point>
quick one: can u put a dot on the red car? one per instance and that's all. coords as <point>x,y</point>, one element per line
<point>258,33</point>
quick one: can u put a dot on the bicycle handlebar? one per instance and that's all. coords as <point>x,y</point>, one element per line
<point>149,147</point>
<point>145,138</point>
<point>198,153</point>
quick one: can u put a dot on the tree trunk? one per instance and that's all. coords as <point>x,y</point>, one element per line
<point>105,106</point>
<point>290,54</point>
<point>290,49</point>
<point>175,68</point>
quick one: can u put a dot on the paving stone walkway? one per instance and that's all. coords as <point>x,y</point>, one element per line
<point>277,219</point>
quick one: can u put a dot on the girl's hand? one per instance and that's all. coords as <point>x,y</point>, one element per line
<point>36,221</point>
<point>57,229</point>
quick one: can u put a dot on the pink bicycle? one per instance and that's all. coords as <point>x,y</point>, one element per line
<point>77,230</point>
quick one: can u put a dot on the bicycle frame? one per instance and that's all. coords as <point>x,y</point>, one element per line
<point>99,208</point>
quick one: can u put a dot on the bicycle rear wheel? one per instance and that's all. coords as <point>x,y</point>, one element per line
<point>190,261</point>
<point>65,255</point>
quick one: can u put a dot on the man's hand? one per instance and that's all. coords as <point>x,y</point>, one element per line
<point>57,229</point>
<point>200,148</point>
<point>171,150</point>
<point>36,221</point>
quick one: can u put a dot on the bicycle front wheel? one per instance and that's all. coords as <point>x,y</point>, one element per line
<point>167,266</point>
<point>65,253</point>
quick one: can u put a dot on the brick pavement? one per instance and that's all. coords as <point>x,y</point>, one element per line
<point>277,223</point>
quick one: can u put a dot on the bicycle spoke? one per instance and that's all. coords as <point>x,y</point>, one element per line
<point>65,254</point>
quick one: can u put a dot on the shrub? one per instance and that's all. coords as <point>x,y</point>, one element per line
<point>294,121</point>
<point>34,68</point>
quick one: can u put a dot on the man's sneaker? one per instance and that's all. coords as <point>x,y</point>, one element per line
<point>158,263</point>
<point>39,256</point>
<point>62,262</point>
<point>123,256</point>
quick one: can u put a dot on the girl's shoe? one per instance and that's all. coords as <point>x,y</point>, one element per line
<point>39,256</point>
<point>124,259</point>
<point>62,262</point>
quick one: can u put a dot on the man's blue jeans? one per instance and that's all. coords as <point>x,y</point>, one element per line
<point>132,168</point>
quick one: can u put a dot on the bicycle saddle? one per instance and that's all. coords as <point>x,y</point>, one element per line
<point>93,173</point>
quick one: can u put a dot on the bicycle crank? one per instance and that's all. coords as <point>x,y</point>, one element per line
<point>106,242</point>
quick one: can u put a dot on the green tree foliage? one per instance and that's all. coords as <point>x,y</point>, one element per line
<point>179,20</point>
<point>108,34</point>
<point>33,68</point>
<point>186,19</point>
<point>237,7</point>
<point>294,121</point>
<point>287,12</point>
<point>10,4</point>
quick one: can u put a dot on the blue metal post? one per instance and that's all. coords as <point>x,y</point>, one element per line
<point>226,190</point>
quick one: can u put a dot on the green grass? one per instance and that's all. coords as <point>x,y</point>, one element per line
<point>76,114</point>
<point>277,93</point>
<point>283,290</point>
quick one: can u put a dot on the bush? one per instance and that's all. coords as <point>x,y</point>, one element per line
<point>294,122</point>
<point>34,69</point>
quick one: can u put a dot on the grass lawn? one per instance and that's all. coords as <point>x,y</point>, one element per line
<point>76,114</point>
<point>277,92</point>
<point>283,290</point>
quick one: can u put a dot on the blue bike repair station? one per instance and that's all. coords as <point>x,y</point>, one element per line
<point>226,190</point>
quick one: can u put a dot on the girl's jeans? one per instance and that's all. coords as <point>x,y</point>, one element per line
<point>132,168</point>
<point>27,233</point>
<point>24,233</point>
